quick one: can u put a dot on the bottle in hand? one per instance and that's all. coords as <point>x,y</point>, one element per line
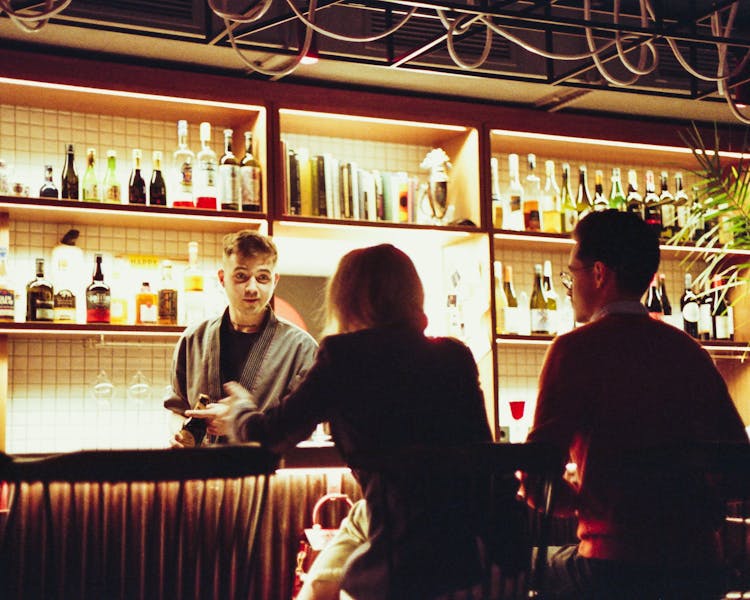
<point>194,430</point>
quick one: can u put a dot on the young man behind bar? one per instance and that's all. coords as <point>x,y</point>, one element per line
<point>622,383</point>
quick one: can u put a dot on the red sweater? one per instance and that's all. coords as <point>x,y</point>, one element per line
<point>624,382</point>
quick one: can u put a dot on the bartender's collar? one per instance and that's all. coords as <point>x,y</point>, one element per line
<point>620,307</point>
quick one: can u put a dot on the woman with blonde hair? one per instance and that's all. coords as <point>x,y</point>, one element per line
<point>383,385</point>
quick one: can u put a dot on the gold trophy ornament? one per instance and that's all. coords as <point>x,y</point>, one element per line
<point>433,196</point>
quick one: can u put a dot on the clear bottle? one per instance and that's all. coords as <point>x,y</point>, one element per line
<point>551,213</point>
<point>531,199</point>
<point>720,311</point>
<point>119,304</point>
<point>193,288</point>
<point>651,208</point>
<point>146,306</point>
<point>65,272</point>
<point>584,203</point>
<point>538,306</point>
<point>7,295</point>
<point>511,320</point>
<point>552,298</point>
<point>183,159</point>
<point>111,183</point>
<point>136,184</point>
<point>251,178</point>
<point>69,181</point>
<point>568,206</point>
<point>501,301</point>
<point>601,202</point>
<point>514,219</point>
<point>167,296</point>
<point>98,296</point>
<point>498,208</point>
<point>633,200</point>
<point>668,208</point>
<point>229,176</point>
<point>90,179</point>
<point>48,189</point>
<point>690,308</point>
<point>40,297</point>
<point>157,188</point>
<point>681,203</point>
<point>617,199</point>
<point>653,299</point>
<point>205,176</point>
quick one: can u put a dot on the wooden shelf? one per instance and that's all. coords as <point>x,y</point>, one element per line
<point>76,212</point>
<point>98,330</point>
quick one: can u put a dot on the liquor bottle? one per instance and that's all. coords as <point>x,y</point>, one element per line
<point>666,305</point>
<point>551,213</point>
<point>584,203</point>
<point>634,200</point>
<point>69,182</point>
<point>681,204</point>
<point>193,288</point>
<point>157,188</point>
<point>5,187</point>
<point>515,196</point>
<point>229,176</point>
<point>511,320</point>
<point>111,183</point>
<point>48,189</point>
<point>551,294</point>
<point>499,210</point>
<point>653,299</point>
<point>65,271</point>
<point>183,169</point>
<point>531,197</point>
<point>705,317</point>
<point>194,430</point>
<point>90,180</point>
<point>118,291</point>
<point>136,184</point>
<point>251,178</point>
<point>39,296</point>
<point>668,208</point>
<point>600,200</point>
<point>651,208</point>
<point>98,296</point>
<point>146,306</point>
<point>617,199</point>
<point>538,307</point>
<point>720,310</point>
<point>689,308</point>
<point>205,175</point>
<point>7,296</point>
<point>501,301</point>
<point>167,297</point>
<point>568,206</point>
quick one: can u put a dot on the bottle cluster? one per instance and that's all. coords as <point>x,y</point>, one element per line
<point>107,299</point>
<point>198,180</point>
<point>529,205</point>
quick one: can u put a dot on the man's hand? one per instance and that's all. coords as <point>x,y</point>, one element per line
<point>216,416</point>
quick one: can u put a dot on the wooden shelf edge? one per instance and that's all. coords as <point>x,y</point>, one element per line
<point>43,329</point>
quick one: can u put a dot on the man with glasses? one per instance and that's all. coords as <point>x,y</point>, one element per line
<point>247,343</point>
<point>620,383</point>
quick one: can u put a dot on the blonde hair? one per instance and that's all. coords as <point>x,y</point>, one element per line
<point>375,287</point>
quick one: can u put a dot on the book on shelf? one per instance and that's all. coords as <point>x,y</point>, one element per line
<point>294,205</point>
<point>305,182</point>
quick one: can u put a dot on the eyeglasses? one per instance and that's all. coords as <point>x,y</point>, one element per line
<point>567,279</point>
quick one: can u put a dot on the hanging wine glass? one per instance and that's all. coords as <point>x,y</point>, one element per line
<point>103,390</point>
<point>139,389</point>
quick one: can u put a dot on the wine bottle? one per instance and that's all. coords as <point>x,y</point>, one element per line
<point>7,295</point>
<point>39,296</point>
<point>64,274</point>
<point>90,180</point>
<point>551,294</point>
<point>666,305</point>
<point>651,208</point>
<point>689,308</point>
<point>48,189</point>
<point>532,194</point>
<point>617,198</point>
<point>720,309</point>
<point>98,297</point>
<point>511,320</point>
<point>681,203</point>
<point>501,301</point>
<point>229,189</point>
<point>600,200</point>
<point>569,211</point>
<point>205,176</point>
<point>69,182</point>
<point>705,317</point>
<point>515,196</point>
<point>146,306</point>
<point>698,216</point>
<point>634,200</point>
<point>111,183</point>
<point>668,208</point>
<point>538,304</point>
<point>498,208</point>
<point>584,203</point>
<point>183,159</point>
<point>136,184</point>
<point>551,213</point>
<point>193,288</point>
<point>167,297</point>
<point>653,299</point>
<point>157,188</point>
<point>194,430</point>
<point>251,178</point>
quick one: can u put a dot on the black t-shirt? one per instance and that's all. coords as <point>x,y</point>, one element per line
<point>235,346</point>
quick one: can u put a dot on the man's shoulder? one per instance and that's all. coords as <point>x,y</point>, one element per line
<point>294,332</point>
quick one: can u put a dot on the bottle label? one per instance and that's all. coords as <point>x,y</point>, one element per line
<point>7,305</point>
<point>691,312</point>
<point>250,184</point>
<point>112,193</point>
<point>193,282</point>
<point>570,219</point>
<point>168,307</point>
<point>186,177</point>
<point>229,186</point>
<point>540,320</point>
<point>511,320</point>
<point>515,203</point>
<point>208,173</point>
<point>147,309</point>
<point>721,324</point>
<point>705,322</point>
